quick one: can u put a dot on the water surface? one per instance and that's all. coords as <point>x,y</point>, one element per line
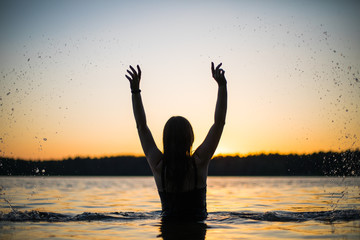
<point>129,207</point>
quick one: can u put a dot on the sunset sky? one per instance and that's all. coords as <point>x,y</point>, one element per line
<point>292,69</point>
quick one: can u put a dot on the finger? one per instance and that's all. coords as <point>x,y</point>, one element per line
<point>128,78</point>
<point>212,67</point>
<point>131,74</point>
<point>218,66</point>
<point>139,71</point>
<point>134,71</point>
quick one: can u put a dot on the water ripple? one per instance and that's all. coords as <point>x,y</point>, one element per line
<point>216,217</point>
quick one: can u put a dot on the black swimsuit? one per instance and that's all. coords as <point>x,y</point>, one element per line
<point>190,205</point>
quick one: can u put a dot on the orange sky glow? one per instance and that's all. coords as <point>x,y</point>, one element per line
<point>292,70</point>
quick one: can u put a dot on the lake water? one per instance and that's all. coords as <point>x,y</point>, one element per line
<point>129,208</point>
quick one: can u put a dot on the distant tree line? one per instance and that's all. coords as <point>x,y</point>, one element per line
<point>345,163</point>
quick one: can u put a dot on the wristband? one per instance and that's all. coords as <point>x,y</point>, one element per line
<point>135,91</point>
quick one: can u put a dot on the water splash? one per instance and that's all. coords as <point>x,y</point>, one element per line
<point>345,165</point>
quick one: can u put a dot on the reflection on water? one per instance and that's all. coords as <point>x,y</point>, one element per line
<point>129,207</point>
<point>182,230</point>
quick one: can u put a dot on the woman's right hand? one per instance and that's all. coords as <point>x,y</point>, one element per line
<point>218,74</point>
<point>134,78</point>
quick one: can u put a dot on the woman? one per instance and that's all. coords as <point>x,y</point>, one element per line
<point>180,175</point>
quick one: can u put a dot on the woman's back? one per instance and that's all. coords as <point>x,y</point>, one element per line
<point>189,203</point>
<point>195,178</point>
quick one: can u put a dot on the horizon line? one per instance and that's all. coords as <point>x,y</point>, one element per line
<point>258,153</point>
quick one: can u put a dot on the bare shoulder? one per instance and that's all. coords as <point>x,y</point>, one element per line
<point>156,165</point>
<point>201,163</point>
<point>154,159</point>
<point>201,160</point>
<point>202,170</point>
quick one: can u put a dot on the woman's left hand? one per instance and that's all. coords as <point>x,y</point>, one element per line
<point>218,74</point>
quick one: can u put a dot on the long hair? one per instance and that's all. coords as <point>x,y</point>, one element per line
<point>178,137</point>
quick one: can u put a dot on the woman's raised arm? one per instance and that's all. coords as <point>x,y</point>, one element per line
<point>206,150</point>
<point>152,153</point>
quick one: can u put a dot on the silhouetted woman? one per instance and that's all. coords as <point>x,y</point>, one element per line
<point>180,175</point>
